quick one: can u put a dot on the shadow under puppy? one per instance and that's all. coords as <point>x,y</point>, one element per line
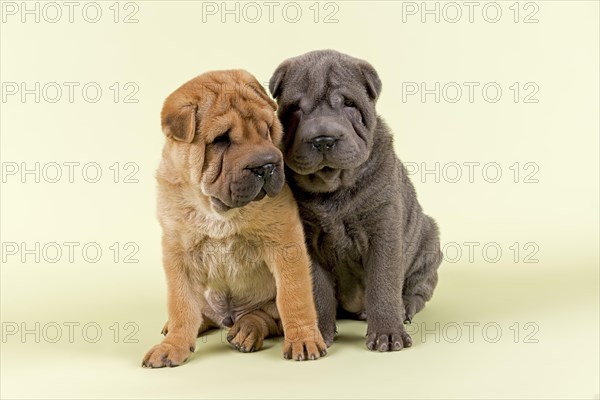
<point>375,253</point>
<point>233,244</point>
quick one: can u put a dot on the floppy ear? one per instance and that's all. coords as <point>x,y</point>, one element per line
<point>179,123</point>
<point>276,81</point>
<point>372,80</point>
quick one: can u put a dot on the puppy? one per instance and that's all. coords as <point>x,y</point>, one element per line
<point>375,253</point>
<point>233,244</point>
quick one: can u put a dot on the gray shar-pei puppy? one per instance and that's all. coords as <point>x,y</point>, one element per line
<point>375,253</point>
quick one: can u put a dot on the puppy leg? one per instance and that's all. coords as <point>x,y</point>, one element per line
<point>185,316</point>
<point>383,291</point>
<point>248,332</point>
<point>422,278</point>
<point>325,302</point>
<point>419,289</point>
<point>303,340</point>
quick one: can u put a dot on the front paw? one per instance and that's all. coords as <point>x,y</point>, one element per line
<point>388,339</point>
<point>167,354</point>
<point>308,346</point>
<point>328,334</point>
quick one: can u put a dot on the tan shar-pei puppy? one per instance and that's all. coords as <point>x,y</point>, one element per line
<point>233,244</point>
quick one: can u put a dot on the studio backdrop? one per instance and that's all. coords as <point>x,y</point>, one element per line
<point>493,107</point>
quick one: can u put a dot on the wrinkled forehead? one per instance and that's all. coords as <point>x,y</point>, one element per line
<point>245,99</point>
<point>231,93</point>
<point>318,80</point>
<point>236,108</point>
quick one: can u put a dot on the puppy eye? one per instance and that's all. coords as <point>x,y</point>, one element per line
<point>294,107</point>
<point>349,103</point>
<point>222,139</point>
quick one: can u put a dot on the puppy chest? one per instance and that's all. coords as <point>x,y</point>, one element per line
<point>337,244</point>
<point>235,278</point>
<point>341,248</point>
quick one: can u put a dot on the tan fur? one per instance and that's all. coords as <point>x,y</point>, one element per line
<point>237,263</point>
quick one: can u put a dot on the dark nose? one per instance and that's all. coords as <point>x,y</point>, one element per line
<point>323,143</point>
<point>264,171</point>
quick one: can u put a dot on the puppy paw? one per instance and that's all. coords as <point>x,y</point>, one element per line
<point>329,335</point>
<point>167,354</point>
<point>245,337</point>
<point>412,305</point>
<point>388,340</point>
<point>309,347</point>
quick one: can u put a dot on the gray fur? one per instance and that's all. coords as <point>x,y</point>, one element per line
<point>375,253</point>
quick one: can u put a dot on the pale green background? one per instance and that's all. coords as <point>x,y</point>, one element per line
<point>169,45</point>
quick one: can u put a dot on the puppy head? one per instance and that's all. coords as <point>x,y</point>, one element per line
<point>327,106</point>
<point>223,137</point>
